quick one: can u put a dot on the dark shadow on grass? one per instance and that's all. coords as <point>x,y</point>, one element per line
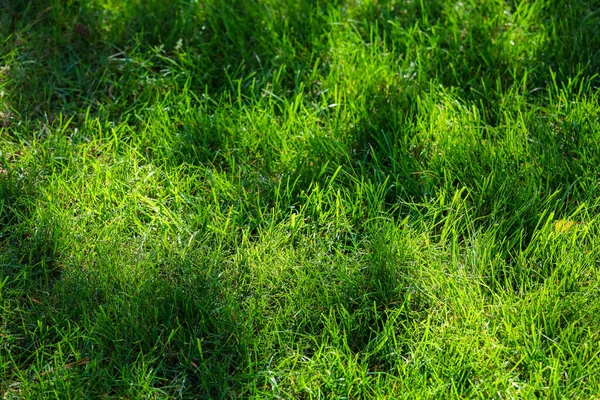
<point>177,322</point>
<point>68,57</point>
<point>484,60</point>
<point>29,267</point>
<point>479,69</point>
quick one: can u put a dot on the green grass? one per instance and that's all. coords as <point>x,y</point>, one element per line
<point>299,199</point>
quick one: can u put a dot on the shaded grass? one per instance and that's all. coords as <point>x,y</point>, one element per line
<point>299,199</point>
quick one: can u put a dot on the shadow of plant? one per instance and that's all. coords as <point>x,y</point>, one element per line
<point>66,56</point>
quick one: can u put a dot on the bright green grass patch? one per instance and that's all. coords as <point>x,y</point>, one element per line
<point>299,199</point>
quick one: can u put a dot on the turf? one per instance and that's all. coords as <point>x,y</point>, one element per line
<point>299,199</point>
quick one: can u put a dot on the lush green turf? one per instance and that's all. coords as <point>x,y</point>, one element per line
<point>299,199</point>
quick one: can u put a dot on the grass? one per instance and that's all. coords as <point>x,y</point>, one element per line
<point>299,199</point>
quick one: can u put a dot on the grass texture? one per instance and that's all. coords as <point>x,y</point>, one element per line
<point>299,199</point>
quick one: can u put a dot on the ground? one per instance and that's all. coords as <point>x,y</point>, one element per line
<point>299,199</point>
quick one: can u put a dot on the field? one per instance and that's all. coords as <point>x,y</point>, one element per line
<point>300,199</point>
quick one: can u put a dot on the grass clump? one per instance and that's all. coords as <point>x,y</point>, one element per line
<point>299,199</point>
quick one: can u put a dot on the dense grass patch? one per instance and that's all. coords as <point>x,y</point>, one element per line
<point>299,199</point>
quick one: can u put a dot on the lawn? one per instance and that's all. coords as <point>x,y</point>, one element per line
<point>299,199</point>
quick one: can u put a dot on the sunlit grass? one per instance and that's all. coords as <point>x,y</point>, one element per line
<point>298,199</point>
